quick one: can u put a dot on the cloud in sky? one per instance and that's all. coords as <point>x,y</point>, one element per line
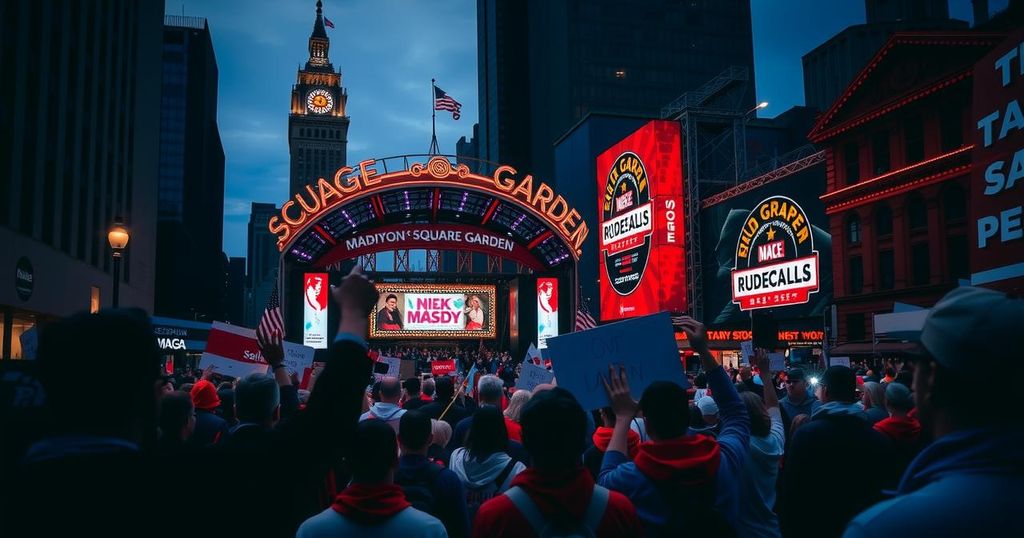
<point>387,52</point>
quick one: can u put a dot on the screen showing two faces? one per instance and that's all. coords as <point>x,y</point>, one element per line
<point>434,310</point>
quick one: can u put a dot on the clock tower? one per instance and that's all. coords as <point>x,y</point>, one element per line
<point>317,123</point>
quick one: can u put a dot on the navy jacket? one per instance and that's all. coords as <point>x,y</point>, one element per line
<point>835,467</point>
<point>967,483</point>
<point>449,496</point>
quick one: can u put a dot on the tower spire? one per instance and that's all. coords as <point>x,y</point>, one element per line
<point>319,43</point>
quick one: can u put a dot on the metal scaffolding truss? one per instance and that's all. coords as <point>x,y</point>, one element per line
<point>713,119</point>
<point>793,162</point>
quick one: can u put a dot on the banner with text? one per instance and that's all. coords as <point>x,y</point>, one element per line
<point>434,311</point>
<point>315,290</point>
<point>997,178</point>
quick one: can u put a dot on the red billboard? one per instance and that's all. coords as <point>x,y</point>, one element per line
<point>997,178</point>
<point>640,207</point>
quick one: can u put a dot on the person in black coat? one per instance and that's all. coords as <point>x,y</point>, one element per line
<point>103,439</point>
<point>821,490</point>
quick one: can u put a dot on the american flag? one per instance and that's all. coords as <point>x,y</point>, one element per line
<point>271,321</point>
<point>584,320</point>
<point>443,101</point>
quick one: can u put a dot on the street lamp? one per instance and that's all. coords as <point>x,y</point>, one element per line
<point>735,143</point>
<point>118,239</point>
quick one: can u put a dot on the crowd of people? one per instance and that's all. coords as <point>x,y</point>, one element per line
<point>466,358</point>
<point>754,452</point>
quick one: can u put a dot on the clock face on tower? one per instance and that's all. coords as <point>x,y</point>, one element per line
<point>319,101</point>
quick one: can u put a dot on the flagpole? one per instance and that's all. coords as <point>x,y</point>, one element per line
<point>434,149</point>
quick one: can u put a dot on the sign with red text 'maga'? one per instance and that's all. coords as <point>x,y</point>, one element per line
<point>776,264</point>
<point>997,178</point>
<point>640,204</point>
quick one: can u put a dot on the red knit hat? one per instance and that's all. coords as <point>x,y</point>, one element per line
<point>204,395</point>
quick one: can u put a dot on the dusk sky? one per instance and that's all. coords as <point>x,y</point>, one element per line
<point>387,52</point>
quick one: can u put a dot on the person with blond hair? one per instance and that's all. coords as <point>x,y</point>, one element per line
<point>515,408</point>
<point>442,434</point>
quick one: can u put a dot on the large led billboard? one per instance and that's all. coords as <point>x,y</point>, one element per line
<point>315,290</point>
<point>433,311</point>
<point>640,208</point>
<point>768,247</point>
<point>547,310</point>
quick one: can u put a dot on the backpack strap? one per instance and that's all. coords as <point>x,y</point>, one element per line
<point>525,505</point>
<point>527,508</point>
<point>504,473</point>
<point>596,509</point>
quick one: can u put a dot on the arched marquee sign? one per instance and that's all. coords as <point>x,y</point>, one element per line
<point>436,205</point>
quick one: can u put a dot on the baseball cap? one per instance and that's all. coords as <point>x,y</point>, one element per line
<point>707,406</point>
<point>898,397</point>
<point>795,374</point>
<point>971,324</point>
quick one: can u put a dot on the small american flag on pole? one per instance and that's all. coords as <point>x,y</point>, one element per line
<point>271,322</point>
<point>584,320</point>
<point>443,101</point>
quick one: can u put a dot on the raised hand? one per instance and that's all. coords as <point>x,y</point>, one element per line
<point>273,349</point>
<point>617,386</point>
<point>356,296</point>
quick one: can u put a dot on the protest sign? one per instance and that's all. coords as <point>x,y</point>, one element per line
<point>532,355</point>
<point>233,351</point>
<point>442,367</point>
<point>297,358</point>
<point>532,375</point>
<point>839,361</point>
<point>394,367</point>
<point>776,362</point>
<point>29,343</point>
<point>746,351</point>
<point>645,347</point>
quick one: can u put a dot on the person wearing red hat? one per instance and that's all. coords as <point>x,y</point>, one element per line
<point>209,425</point>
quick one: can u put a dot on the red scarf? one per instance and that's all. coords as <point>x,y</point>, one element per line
<point>370,503</point>
<point>603,436</point>
<point>903,430</point>
<point>688,461</point>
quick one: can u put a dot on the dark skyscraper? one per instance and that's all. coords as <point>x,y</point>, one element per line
<point>234,292</point>
<point>317,124</point>
<point>543,65</point>
<point>830,67</point>
<point>262,258</point>
<point>189,269</point>
<point>79,133</point>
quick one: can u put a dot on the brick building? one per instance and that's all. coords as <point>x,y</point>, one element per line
<point>898,163</point>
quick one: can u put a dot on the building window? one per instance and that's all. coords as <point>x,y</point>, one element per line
<point>951,129</point>
<point>853,229</point>
<point>913,136</point>
<point>920,264</point>
<point>917,211</point>
<point>855,327</point>
<point>956,255</point>
<point>880,152</point>
<point>94,300</point>
<point>883,221</point>
<point>851,162</point>
<point>954,203</point>
<point>856,275</point>
<point>886,270</point>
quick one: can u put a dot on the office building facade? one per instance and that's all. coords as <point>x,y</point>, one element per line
<point>190,262</point>
<point>79,141</point>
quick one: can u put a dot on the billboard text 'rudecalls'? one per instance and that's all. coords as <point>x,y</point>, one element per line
<point>640,203</point>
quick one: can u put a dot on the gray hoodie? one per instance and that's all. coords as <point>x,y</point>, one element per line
<point>480,475</point>
<point>388,412</point>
